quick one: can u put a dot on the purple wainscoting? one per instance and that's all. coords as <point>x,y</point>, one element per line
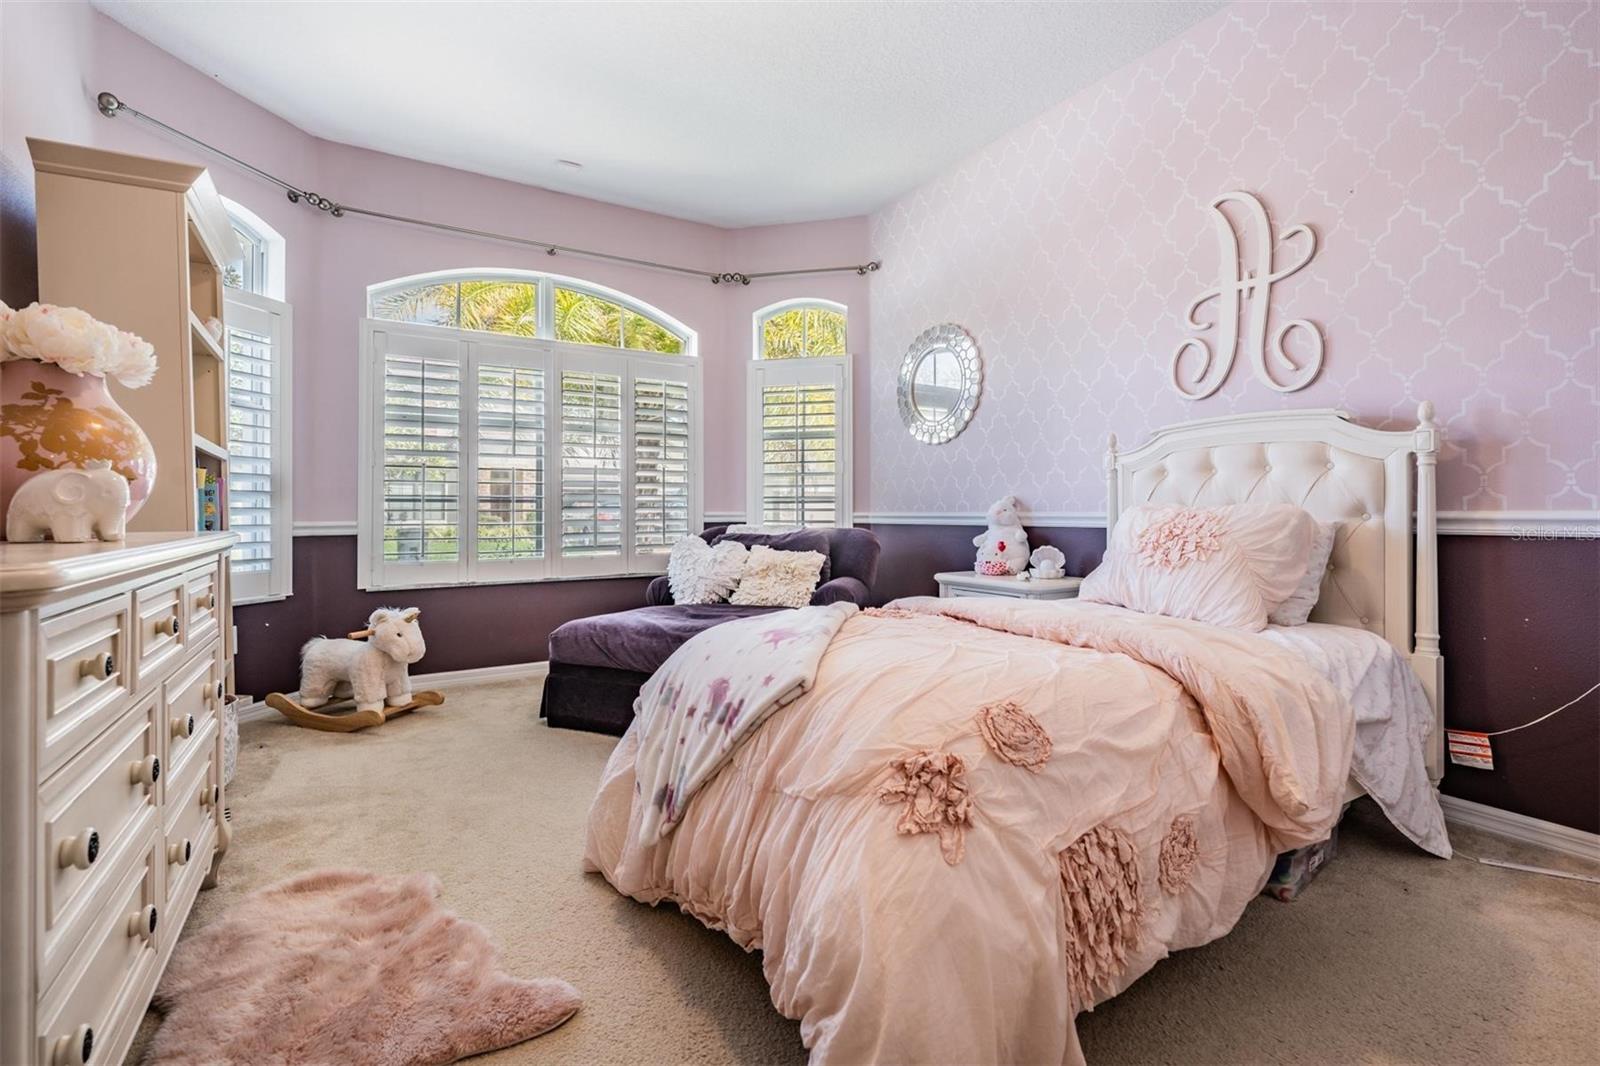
<point>912,554</point>
<point>466,627</point>
<point>1521,636</point>
<point>1520,623</point>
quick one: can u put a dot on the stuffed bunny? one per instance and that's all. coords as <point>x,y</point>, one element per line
<point>1003,547</point>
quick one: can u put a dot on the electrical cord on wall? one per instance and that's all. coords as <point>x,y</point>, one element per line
<point>1523,867</point>
<point>1551,714</point>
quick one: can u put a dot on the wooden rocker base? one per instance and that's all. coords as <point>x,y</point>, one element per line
<point>347,721</point>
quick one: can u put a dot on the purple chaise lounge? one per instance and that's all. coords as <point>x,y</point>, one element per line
<point>598,664</point>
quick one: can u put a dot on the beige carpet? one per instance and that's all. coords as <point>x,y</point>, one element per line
<point>1391,957</point>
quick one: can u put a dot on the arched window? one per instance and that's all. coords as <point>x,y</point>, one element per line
<point>525,304</point>
<point>521,427</point>
<point>800,329</point>
<point>799,420</point>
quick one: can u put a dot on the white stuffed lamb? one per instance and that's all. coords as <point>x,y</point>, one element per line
<point>1003,547</point>
<point>372,670</point>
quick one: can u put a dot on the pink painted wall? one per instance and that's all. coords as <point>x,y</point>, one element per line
<point>49,92</point>
<point>1444,153</point>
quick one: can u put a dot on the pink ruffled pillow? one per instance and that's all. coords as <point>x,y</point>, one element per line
<point>1228,566</point>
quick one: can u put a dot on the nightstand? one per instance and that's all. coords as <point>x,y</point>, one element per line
<point>969,583</point>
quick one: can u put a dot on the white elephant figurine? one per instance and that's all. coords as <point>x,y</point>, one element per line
<point>373,670</point>
<point>71,505</point>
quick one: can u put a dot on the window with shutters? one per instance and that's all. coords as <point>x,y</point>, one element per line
<point>494,456</point>
<point>662,463</point>
<point>799,422</point>
<point>259,334</point>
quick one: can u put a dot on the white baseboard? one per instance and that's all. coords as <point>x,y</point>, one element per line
<point>1521,828</point>
<point>440,679</point>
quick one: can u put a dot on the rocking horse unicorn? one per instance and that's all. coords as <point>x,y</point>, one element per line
<point>369,666</point>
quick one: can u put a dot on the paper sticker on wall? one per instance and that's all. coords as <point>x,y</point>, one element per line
<point>1469,749</point>
<point>1246,281</point>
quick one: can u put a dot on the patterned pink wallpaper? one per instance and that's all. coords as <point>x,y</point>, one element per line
<point>1445,155</point>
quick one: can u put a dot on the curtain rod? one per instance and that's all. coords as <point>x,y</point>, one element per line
<point>110,106</point>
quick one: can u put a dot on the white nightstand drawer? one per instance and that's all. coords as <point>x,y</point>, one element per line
<point>955,583</point>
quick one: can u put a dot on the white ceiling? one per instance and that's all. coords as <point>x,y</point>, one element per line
<point>736,114</point>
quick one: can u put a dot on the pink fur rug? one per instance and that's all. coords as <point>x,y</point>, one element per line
<point>348,967</point>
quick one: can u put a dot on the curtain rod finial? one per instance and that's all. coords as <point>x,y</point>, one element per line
<point>108,104</point>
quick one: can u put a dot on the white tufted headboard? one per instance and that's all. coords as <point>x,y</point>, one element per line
<point>1364,479</point>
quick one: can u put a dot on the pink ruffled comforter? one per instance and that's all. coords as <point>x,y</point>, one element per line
<point>988,815</point>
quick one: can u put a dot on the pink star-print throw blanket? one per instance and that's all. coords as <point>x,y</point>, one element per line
<point>713,693</point>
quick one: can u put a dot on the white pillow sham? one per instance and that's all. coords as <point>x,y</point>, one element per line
<point>1296,610</point>
<point>775,578</point>
<point>1227,566</point>
<point>698,572</point>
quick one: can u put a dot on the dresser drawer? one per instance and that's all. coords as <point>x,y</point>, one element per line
<point>191,698</point>
<point>188,840</point>
<point>97,1001</point>
<point>83,675</point>
<point>202,596</point>
<point>91,813</point>
<point>196,766</point>
<point>159,613</point>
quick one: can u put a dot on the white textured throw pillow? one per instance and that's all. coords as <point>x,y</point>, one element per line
<point>1228,566</point>
<point>778,579</point>
<point>1295,610</point>
<point>698,572</point>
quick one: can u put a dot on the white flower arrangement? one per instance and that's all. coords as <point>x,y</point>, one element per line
<point>77,342</point>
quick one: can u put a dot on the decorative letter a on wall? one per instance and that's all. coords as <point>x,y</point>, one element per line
<point>1236,282</point>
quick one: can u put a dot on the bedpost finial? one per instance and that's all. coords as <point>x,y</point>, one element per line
<point>1425,413</point>
<point>1111,451</point>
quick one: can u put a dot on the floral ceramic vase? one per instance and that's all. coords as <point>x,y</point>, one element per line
<point>52,418</point>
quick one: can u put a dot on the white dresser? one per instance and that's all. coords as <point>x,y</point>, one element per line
<point>114,663</point>
<point>968,583</point>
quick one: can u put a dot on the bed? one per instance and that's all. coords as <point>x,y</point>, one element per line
<point>969,820</point>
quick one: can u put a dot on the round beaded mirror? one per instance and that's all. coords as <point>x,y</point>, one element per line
<point>940,379</point>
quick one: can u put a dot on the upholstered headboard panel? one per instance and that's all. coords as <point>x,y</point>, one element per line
<point>1333,483</point>
<point>1369,481</point>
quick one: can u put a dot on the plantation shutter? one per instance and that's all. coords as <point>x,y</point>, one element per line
<point>592,450</point>
<point>418,482</point>
<point>662,464</point>
<point>515,459</point>
<point>258,445</point>
<point>512,476</point>
<point>799,420</point>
